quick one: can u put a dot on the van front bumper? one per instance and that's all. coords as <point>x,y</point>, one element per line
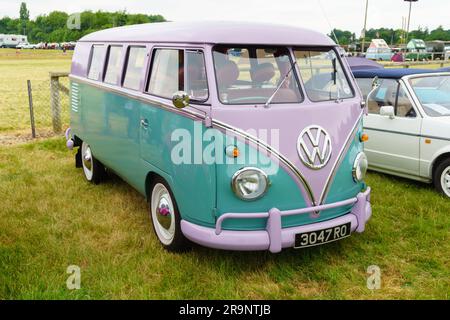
<point>275,238</point>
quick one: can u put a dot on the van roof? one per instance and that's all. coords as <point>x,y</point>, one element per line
<point>212,33</point>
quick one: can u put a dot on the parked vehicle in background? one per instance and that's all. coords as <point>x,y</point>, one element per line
<point>398,57</point>
<point>140,95</point>
<point>447,52</point>
<point>379,51</point>
<point>437,49</point>
<point>417,51</point>
<point>12,40</point>
<point>408,123</point>
<point>26,46</point>
<point>68,45</point>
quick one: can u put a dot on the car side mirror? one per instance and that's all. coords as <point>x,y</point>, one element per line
<point>376,83</point>
<point>387,111</point>
<point>180,100</point>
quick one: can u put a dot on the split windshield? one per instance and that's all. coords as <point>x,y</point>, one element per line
<point>434,94</point>
<point>252,75</point>
<point>323,75</point>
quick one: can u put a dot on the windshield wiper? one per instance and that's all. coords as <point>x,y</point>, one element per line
<point>267,104</point>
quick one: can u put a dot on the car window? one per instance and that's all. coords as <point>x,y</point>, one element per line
<point>389,93</point>
<point>404,107</point>
<point>365,84</point>
<point>251,75</point>
<point>134,68</point>
<point>175,70</point>
<point>323,75</point>
<point>433,93</point>
<point>96,64</point>
<point>384,95</point>
<point>113,65</point>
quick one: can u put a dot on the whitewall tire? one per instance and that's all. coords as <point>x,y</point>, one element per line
<point>166,218</point>
<point>93,170</point>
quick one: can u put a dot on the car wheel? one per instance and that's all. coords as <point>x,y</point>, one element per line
<point>94,171</point>
<point>166,217</point>
<point>442,178</point>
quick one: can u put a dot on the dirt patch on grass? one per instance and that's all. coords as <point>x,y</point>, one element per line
<point>18,137</point>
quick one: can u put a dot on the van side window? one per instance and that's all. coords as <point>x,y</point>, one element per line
<point>96,64</point>
<point>113,64</point>
<point>178,70</point>
<point>134,68</point>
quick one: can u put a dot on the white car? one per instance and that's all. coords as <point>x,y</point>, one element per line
<point>26,46</point>
<point>408,123</point>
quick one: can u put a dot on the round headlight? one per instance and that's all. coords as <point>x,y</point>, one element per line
<point>250,183</point>
<point>360,167</point>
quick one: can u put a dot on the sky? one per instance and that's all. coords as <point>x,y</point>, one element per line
<point>320,15</point>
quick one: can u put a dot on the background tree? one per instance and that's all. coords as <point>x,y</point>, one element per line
<point>24,16</point>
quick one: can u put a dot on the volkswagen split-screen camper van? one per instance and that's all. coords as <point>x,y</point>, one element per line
<point>240,136</point>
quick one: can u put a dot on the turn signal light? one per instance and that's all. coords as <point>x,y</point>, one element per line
<point>232,151</point>
<point>364,137</point>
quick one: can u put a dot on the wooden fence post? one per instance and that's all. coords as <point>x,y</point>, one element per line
<point>55,102</point>
<point>30,104</point>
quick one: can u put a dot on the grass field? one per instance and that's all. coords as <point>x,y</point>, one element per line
<point>51,218</point>
<point>15,70</point>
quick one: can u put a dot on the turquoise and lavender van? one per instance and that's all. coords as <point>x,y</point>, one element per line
<point>240,136</point>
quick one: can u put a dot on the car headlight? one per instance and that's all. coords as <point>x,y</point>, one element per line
<point>360,167</point>
<point>250,183</point>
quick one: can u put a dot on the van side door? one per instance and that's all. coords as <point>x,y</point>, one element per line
<point>394,142</point>
<point>171,139</point>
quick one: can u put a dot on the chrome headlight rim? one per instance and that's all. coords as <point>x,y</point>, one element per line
<point>244,170</point>
<point>357,167</point>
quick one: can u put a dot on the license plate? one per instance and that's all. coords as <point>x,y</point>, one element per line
<point>319,237</point>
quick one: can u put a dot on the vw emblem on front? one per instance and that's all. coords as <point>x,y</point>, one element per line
<point>314,147</point>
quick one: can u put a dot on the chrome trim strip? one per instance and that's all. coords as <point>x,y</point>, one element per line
<point>407,134</point>
<point>270,150</point>
<point>138,96</point>
<point>338,163</point>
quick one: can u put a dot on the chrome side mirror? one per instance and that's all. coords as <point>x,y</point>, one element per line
<point>376,83</point>
<point>387,111</point>
<point>180,100</point>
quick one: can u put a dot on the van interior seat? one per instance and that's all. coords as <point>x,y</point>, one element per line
<point>262,73</point>
<point>228,74</point>
<point>391,96</point>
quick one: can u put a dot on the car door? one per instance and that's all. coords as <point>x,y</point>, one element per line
<point>394,142</point>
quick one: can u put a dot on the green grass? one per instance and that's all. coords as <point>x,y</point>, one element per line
<point>15,70</point>
<point>51,218</point>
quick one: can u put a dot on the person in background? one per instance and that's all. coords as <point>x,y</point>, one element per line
<point>398,57</point>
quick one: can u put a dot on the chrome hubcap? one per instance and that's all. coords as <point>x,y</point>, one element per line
<point>87,159</point>
<point>163,214</point>
<point>445,181</point>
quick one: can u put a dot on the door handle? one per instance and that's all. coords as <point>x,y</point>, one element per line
<point>144,123</point>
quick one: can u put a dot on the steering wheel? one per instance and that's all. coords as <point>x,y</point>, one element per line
<point>411,113</point>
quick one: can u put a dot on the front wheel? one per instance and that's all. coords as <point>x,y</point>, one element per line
<point>442,178</point>
<point>166,218</point>
<point>94,171</point>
